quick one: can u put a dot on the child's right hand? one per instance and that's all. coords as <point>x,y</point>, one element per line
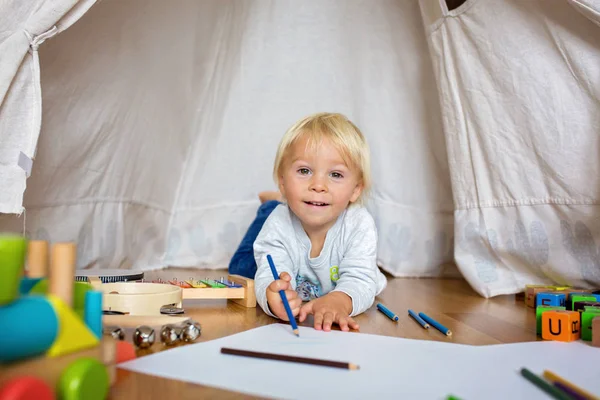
<point>274,299</point>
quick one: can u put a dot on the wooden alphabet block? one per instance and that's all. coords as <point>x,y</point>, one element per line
<point>573,297</point>
<point>550,299</point>
<point>586,324</point>
<point>561,325</point>
<point>532,290</point>
<point>581,305</point>
<point>538,316</point>
<point>596,331</point>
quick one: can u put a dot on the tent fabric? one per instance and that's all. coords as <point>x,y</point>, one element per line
<point>162,127</point>
<point>520,93</point>
<point>161,120</point>
<point>26,25</point>
<point>589,8</point>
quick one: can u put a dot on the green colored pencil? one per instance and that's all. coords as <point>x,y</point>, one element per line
<point>543,385</point>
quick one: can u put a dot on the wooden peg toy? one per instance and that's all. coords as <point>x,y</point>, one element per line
<point>37,259</point>
<point>561,325</point>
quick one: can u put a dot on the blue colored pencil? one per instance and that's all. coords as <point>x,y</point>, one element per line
<point>284,298</point>
<point>436,324</point>
<point>420,320</point>
<point>387,312</point>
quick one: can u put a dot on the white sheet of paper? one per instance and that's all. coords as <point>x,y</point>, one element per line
<point>389,367</point>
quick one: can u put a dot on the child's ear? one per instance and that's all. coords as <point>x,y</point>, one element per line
<point>281,186</point>
<point>356,193</point>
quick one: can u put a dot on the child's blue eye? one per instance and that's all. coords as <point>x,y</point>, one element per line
<point>336,175</point>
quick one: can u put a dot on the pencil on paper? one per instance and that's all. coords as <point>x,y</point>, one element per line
<point>563,383</point>
<point>435,324</point>
<point>543,385</point>
<point>420,320</point>
<point>281,357</point>
<point>284,299</point>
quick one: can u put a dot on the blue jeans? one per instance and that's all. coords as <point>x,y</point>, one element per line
<point>243,263</point>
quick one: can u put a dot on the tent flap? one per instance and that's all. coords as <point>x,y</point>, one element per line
<point>29,25</point>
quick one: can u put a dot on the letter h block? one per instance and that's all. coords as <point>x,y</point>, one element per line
<point>561,325</point>
<point>546,299</point>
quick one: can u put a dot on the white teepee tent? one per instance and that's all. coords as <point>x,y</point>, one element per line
<point>159,122</point>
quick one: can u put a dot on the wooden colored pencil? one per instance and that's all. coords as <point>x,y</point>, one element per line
<point>435,324</point>
<point>552,377</point>
<point>281,357</point>
<point>543,385</point>
<point>284,299</point>
<point>420,320</point>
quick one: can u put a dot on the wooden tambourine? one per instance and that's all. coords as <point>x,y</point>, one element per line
<point>137,298</point>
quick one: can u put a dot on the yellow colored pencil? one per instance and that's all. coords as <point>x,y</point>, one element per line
<point>551,376</point>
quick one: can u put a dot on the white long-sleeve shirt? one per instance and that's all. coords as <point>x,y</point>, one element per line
<point>347,262</point>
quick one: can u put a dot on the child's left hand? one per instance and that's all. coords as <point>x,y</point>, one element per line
<point>334,307</point>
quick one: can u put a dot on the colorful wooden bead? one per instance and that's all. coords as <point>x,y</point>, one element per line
<point>86,378</point>
<point>26,388</point>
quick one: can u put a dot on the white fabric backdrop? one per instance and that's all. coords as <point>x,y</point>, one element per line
<point>160,122</point>
<point>520,89</point>
<point>24,26</point>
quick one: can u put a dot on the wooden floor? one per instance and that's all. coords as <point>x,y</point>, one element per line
<point>471,318</point>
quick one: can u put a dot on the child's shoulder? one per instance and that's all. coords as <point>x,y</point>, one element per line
<point>358,217</point>
<point>280,216</point>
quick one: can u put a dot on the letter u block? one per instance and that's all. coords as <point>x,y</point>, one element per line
<point>562,326</point>
<point>546,299</point>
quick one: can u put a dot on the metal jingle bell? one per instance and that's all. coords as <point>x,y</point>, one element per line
<point>117,333</point>
<point>169,335</point>
<point>143,337</point>
<point>191,331</point>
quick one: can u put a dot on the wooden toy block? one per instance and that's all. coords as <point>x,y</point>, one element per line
<point>581,305</point>
<point>531,292</point>
<point>538,316</point>
<point>561,325</point>
<point>586,323</point>
<point>73,334</point>
<point>596,331</point>
<point>550,299</point>
<point>579,297</point>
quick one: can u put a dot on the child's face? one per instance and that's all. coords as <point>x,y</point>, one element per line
<point>318,185</point>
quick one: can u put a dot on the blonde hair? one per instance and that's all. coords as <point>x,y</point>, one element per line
<point>344,136</point>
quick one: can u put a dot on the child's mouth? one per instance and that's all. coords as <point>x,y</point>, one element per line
<point>316,203</point>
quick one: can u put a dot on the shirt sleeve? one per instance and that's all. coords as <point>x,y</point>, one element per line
<point>359,276</point>
<point>271,240</point>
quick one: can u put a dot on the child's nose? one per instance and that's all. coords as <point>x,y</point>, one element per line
<point>317,184</point>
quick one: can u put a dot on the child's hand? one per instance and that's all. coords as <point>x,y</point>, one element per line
<point>334,307</point>
<point>274,299</point>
